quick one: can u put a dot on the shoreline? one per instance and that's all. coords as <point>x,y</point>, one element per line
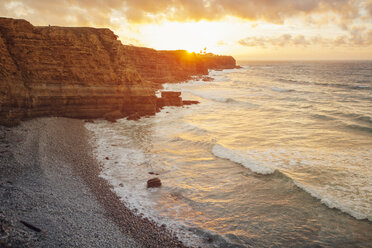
<point>50,179</point>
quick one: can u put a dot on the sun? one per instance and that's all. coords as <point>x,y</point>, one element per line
<point>202,36</point>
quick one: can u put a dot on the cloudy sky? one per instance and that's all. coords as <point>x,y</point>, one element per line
<point>246,29</point>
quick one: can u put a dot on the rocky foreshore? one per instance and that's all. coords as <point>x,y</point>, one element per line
<point>49,180</point>
<point>50,189</point>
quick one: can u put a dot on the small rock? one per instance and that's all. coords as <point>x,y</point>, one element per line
<point>113,116</point>
<point>187,102</point>
<point>107,158</point>
<point>154,183</point>
<point>153,173</point>
<point>121,185</point>
<point>208,79</point>
<point>134,117</point>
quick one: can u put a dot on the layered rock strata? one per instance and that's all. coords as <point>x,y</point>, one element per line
<point>85,72</point>
<point>170,98</point>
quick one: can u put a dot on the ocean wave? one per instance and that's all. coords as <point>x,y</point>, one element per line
<point>221,99</point>
<point>192,142</point>
<point>334,85</point>
<point>238,157</point>
<point>194,128</point>
<point>365,119</point>
<point>291,81</point>
<point>332,202</point>
<point>362,87</point>
<point>277,89</point>
<point>360,128</point>
<point>215,239</point>
<point>214,98</point>
<point>331,194</point>
<point>354,117</point>
<point>323,117</point>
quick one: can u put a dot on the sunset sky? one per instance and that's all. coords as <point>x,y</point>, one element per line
<point>246,29</point>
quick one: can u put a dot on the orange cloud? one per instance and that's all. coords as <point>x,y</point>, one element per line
<point>358,37</point>
<point>87,12</point>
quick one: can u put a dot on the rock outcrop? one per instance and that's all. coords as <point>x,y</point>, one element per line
<point>85,72</point>
<point>170,98</point>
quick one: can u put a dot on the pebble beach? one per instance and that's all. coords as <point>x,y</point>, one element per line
<point>52,196</point>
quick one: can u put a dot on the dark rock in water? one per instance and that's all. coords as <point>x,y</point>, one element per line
<point>134,117</point>
<point>154,183</point>
<point>208,79</point>
<point>170,94</point>
<point>107,158</point>
<point>186,102</point>
<point>121,185</point>
<point>113,115</point>
<point>169,98</point>
<point>153,173</point>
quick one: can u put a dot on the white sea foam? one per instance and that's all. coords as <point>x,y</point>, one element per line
<point>240,158</point>
<point>213,97</point>
<point>125,164</point>
<point>127,169</point>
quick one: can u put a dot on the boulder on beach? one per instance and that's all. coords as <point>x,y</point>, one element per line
<point>153,183</point>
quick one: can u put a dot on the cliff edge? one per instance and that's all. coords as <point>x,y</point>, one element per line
<point>85,72</point>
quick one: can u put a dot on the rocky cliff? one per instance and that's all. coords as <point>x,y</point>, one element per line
<point>85,72</point>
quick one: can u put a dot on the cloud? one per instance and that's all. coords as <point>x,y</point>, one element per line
<point>122,14</point>
<point>368,7</point>
<point>275,11</point>
<point>358,37</point>
<point>84,12</point>
<point>61,12</point>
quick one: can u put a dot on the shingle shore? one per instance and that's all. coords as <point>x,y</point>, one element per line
<point>49,178</point>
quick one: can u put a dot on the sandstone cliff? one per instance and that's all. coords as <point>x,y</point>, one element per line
<point>85,72</point>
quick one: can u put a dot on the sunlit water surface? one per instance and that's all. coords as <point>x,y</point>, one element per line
<point>277,154</point>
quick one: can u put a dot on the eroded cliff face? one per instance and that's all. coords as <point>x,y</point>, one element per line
<point>175,66</point>
<point>84,72</point>
<point>166,66</point>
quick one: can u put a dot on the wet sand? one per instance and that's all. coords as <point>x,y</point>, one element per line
<point>49,179</point>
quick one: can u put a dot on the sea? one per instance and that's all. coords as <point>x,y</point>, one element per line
<point>276,154</point>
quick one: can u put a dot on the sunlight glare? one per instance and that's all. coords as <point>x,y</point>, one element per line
<point>190,36</point>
